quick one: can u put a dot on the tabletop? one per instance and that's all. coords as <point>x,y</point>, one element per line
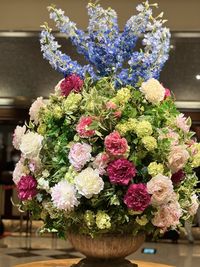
<point>77,263</point>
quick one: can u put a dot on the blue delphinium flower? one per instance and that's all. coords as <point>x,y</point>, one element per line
<point>106,49</point>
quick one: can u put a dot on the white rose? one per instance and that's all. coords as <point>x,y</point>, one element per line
<point>88,182</point>
<point>31,145</point>
<point>154,92</point>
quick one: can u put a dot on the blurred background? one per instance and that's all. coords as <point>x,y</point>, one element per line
<point>24,76</point>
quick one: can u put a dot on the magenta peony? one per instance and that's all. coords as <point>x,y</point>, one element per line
<point>82,127</point>
<point>121,171</point>
<point>137,197</point>
<point>70,83</point>
<point>115,145</point>
<point>27,187</point>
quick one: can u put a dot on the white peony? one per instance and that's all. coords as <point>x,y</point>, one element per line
<point>35,109</point>
<point>154,92</point>
<point>17,136</point>
<point>19,171</point>
<point>63,195</point>
<point>31,145</point>
<point>88,182</point>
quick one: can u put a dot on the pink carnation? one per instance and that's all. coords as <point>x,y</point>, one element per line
<point>167,93</point>
<point>115,145</point>
<point>71,83</point>
<point>35,109</point>
<point>101,162</point>
<point>82,127</point>
<point>137,197</point>
<point>182,123</point>
<point>27,187</point>
<point>17,136</point>
<point>178,157</point>
<point>79,154</point>
<point>167,216</point>
<point>121,171</point>
<point>161,189</point>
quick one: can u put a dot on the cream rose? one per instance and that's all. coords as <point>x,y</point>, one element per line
<point>161,189</point>
<point>31,145</point>
<point>178,157</point>
<point>154,92</point>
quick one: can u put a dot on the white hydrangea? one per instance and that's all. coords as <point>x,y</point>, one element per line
<point>63,195</point>
<point>35,109</point>
<point>31,145</point>
<point>154,92</point>
<point>17,136</point>
<point>88,182</point>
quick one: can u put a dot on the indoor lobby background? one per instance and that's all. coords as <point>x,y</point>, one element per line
<point>25,75</point>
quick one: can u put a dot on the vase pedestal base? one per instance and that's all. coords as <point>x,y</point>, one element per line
<point>88,262</point>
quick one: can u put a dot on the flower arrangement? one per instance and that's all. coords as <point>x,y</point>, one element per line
<point>108,152</point>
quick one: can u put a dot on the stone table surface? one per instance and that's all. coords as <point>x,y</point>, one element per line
<point>78,263</point>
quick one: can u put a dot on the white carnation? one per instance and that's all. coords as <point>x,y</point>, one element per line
<point>154,92</point>
<point>88,182</point>
<point>31,145</point>
<point>63,195</point>
<point>19,171</point>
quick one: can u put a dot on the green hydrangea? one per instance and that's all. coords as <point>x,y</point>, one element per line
<point>149,142</point>
<point>70,174</point>
<point>155,168</point>
<point>142,220</point>
<point>72,102</point>
<point>143,128</point>
<point>127,126</point>
<point>122,97</point>
<point>89,218</point>
<point>103,220</point>
<point>196,161</point>
<point>57,112</point>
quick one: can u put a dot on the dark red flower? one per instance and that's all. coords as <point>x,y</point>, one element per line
<point>137,198</point>
<point>121,171</point>
<point>71,83</point>
<point>177,177</point>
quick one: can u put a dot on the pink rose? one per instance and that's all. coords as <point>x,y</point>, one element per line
<point>27,187</point>
<point>137,197</point>
<point>101,162</point>
<point>115,145</point>
<point>121,171</point>
<point>177,158</point>
<point>161,189</point>
<point>182,122</point>
<point>79,155</point>
<point>167,216</point>
<point>82,127</point>
<point>71,83</point>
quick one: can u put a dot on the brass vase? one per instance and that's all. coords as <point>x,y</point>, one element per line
<point>105,250</point>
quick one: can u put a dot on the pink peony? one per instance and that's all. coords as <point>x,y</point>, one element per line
<point>82,126</point>
<point>137,197</point>
<point>182,122</point>
<point>167,216</point>
<point>177,177</point>
<point>79,154</point>
<point>35,109</point>
<point>121,171</point>
<point>27,187</point>
<point>117,114</point>
<point>115,145</point>
<point>161,189</point>
<point>101,162</point>
<point>17,136</point>
<point>167,93</point>
<point>71,83</point>
<point>177,158</point>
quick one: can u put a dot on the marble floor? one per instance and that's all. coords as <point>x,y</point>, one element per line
<point>17,249</point>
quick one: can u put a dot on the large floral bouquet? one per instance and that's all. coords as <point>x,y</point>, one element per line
<point>108,152</point>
